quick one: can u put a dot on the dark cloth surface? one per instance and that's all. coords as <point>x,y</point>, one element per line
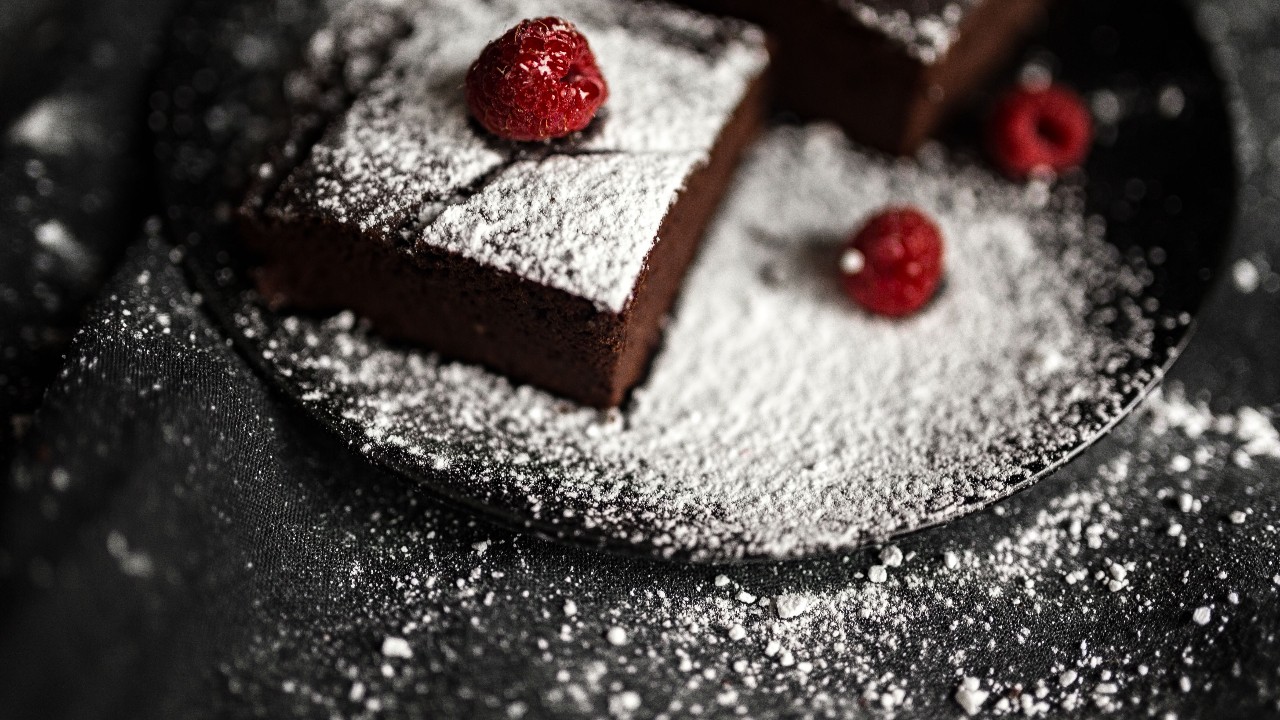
<point>178,541</point>
<point>72,160</point>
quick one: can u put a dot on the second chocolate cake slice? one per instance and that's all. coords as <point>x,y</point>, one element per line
<point>889,71</point>
<point>552,263</point>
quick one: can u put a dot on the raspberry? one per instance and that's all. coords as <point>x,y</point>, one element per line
<point>1034,130</point>
<point>536,82</point>
<point>893,265</point>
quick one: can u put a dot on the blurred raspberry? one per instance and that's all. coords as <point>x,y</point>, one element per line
<point>1037,130</point>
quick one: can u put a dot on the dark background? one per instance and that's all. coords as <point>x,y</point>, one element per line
<point>176,541</point>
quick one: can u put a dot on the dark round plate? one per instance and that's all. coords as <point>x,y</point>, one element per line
<point>1162,177</point>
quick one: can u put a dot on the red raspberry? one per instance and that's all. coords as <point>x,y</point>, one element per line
<point>1034,130</point>
<point>893,265</point>
<point>536,82</point>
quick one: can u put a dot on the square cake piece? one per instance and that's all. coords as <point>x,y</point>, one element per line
<point>555,264</point>
<point>887,70</point>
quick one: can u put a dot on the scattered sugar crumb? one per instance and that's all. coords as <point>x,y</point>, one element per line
<point>891,556</point>
<point>970,696</point>
<point>396,647</point>
<point>791,605</point>
<point>616,636</point>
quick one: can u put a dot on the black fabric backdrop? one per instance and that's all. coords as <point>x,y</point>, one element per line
<point>178,541</point>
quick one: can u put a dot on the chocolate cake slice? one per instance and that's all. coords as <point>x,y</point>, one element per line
<point>552,263</point>
<point>887,70</point>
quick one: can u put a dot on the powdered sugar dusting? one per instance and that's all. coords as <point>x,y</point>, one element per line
<point>925,29</point>
<point>1015,618</point>
<point>558,221</point>
<point>406,164</point>
<point>778,420</point>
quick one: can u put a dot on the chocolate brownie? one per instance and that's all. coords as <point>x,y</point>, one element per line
<point>887,70</point>
<point>554,264</point>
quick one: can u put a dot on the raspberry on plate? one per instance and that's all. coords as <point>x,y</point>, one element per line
<point>537,82</point>
<point>893,265</point>
<point>1039,129</point>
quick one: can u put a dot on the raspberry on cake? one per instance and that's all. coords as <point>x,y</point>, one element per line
<point>553,263</point>
<point>537,82</point>
<point>888,71</point>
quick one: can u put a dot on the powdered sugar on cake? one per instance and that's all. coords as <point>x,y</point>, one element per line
<point>407,165</point>
<point>567,221</point>
<point>778,418</point>
<point>927,30</point>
